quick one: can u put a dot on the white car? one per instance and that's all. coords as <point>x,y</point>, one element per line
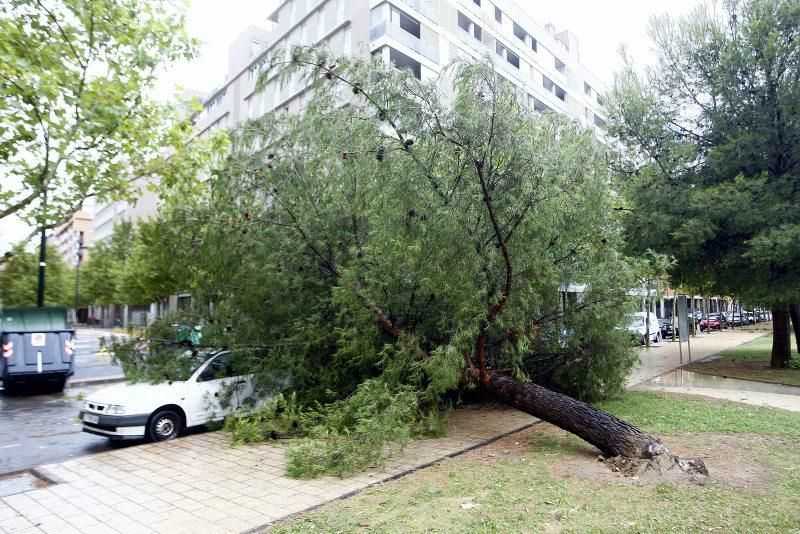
<point>162,411</point>
<point>637,327</point>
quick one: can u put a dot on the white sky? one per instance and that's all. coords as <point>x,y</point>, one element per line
<point>599,26</point>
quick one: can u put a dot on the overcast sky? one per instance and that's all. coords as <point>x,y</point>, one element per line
<point>599,26</point>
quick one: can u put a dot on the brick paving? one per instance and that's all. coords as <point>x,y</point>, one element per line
<point>201,483</point>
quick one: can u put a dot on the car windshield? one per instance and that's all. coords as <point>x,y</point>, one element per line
<point>186,364</point>
<point>635,321</point>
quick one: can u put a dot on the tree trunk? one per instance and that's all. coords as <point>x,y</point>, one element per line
<point>613,436</point>
<point>794,312</point>
<point>781,341</point>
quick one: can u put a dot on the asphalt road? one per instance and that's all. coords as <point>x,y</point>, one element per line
<point>39,427</point>
<point>89,361</point>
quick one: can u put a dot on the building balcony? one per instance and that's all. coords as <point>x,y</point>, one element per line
<point>398,34</point>
<point>424,9</point>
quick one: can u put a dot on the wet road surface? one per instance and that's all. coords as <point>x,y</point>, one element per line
<point>90,361</point>
<point>39,427</point>
<point>42,428</point>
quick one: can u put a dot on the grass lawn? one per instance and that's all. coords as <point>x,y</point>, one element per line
<point>750,361</point>
<point>545,480</point>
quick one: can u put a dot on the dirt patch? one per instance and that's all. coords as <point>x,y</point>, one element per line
<point>732,460</point>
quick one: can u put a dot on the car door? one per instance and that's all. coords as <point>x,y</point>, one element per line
<point>217,391</point>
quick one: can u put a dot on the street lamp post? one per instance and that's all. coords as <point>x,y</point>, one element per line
<point>79,257</point>
<point>42,253</point>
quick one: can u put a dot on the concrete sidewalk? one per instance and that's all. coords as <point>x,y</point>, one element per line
<point>201,483</point>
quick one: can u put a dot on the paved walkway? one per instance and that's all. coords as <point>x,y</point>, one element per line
<point>203,484</point>
<point>665,356</point>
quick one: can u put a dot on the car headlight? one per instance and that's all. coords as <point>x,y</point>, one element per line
<point>115,409</point>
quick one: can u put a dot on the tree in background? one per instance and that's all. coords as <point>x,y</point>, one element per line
<point>75,118</point>
<point>102,273</point>
<point>713,145</point>
<point>19,280</point>
<point>390,253</point>
<point>152,270</point>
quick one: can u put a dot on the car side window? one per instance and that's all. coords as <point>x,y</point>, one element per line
<point>220,367</point>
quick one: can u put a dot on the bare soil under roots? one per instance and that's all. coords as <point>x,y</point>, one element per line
<point>730,460</point>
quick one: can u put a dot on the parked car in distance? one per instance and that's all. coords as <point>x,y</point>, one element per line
<point>637,326</point>
<point>211,390</point>
<point>666,329</point>
<point>714,321</point>
<point>736,318</point>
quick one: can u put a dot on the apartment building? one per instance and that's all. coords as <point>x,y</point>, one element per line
<point>420,35</point>
<point>74,235</point>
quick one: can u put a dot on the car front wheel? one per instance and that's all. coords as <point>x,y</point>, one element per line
<point>164,425</point>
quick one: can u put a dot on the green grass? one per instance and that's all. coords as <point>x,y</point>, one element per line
<point>691,414</point>
<point>750,361</point>
<point>521,492</point>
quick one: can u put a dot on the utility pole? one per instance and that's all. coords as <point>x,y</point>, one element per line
<point>42,252</point>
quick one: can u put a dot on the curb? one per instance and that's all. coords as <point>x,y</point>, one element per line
<point>267,526</point>
<point>95,381</point>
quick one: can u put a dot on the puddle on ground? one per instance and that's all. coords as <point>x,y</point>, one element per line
<point>680,378</point>
<point>20,483</point>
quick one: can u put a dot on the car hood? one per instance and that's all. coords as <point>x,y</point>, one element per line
<point>125,393</point>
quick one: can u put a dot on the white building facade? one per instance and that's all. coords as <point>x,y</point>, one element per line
<point>423,36</point>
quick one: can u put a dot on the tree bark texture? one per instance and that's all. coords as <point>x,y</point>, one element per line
<point>613,436</point>
<point>794,312</point>
<point>781,340</point>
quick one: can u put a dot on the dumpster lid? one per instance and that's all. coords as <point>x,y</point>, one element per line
<point>33,319</point>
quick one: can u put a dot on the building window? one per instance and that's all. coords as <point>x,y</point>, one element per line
<point>512,58</point>
<point>548,84</point>
<point>468,26</point>
<point>498,15</point>
<point>538,105</point>
<point>405,22</point>
<point>601,100</point>
<point>587,88</point>
<point>340,5</point>
<point>534,45</point>
<point>560,66</point>
<point>401,61</point>
<point>276,95</point>
<point>599,122</point>
<point>477,2</point>
<point>519,32</point>
<point>560,93</point>
<point>320,24</point>
<point>347,46</point>
<point>463,22</point>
